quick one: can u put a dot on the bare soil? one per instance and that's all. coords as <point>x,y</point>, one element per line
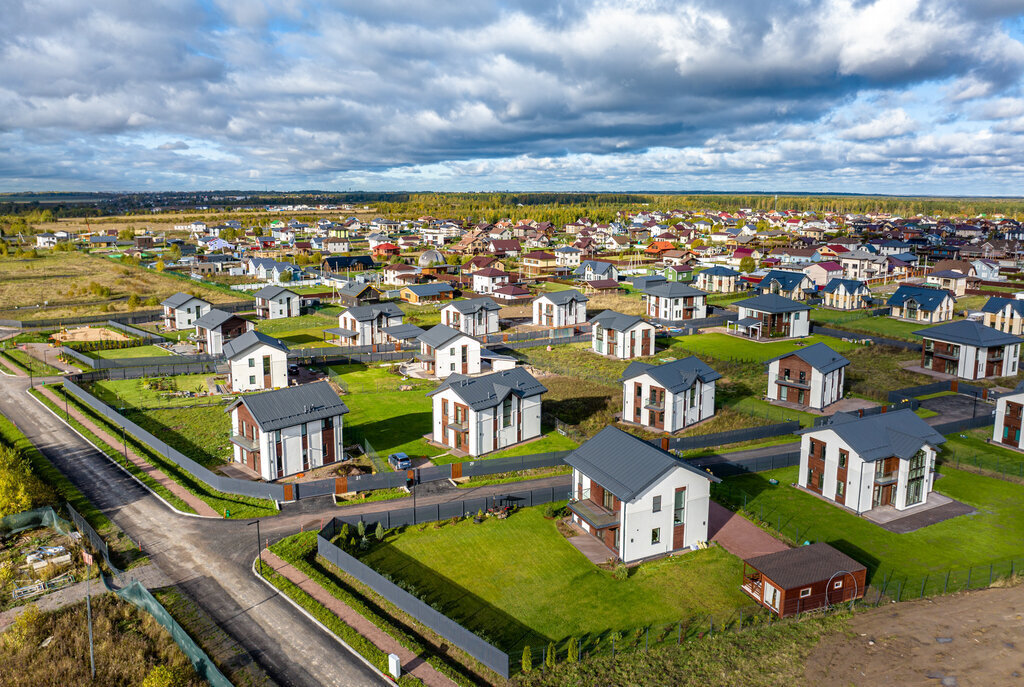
<point>976,638</point>
<point>89,334</point>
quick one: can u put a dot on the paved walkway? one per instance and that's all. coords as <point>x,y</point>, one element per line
<point>937,508</point>
<point>12,368</point>
<point>197,504</point>
<point>589,545</point>
<point>739,536</point>
<point>49,355</point>
<point>411,663</point>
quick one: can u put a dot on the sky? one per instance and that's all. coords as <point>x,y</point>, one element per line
<point>853,96</point>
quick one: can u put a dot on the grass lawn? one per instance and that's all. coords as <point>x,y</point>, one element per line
<point>305,331</point>
<point>361,379</point>
<point>133,352</point>
<point>964,303</point>
<point>827,316</point>
<point>424,316</point>
<point>202,434</point>
<point>518,581</point>
<point>551,441</point>
<point>938,394</point>
<point>771,413</point>
<point>727,347</point>
<point>29,364</point>
<point>971,448</point>
<point>391,421</point>
<point>993,533</point>
<point>151,392</point>
<point>551,286</point>
<point>885,326</point>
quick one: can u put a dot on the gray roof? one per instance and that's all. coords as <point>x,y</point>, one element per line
<point>403,332</point>
<point>292,405</point>
<point>596,266</point>
<point>969,333</point>
<point>673,290</point>
<point>901,434</point>
<point>997,303</point>
<point>181,298</point>
<point>269,292</point>
<point>432,289</point>
<point>362,313</point>
<point>354,288</point>
<point>948,274</point>
<point>851,285</point>
<point>568,296</point>
<point>788,281</point>
<point>624,464</point>
<point>771,303</point>
<point>474,305</point>
<point>804,565</point>
<point>616,321</point>
<point>490,390</point>
<point>819,356</point>
<point>720,271</point>
<point>927,299</point>
<point>214,319</point>
<point>248,340</point>
<point>439,335</point>
<point>676,376</point>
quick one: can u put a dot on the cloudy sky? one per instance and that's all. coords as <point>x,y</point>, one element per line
<point>887,96</point>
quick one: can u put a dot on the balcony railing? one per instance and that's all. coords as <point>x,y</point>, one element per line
<point>654,405</point>
<point>245,442</point>
<point>597,515</point>
<point>459,426</point>
<point>886,477</point>
<point>782,379</point>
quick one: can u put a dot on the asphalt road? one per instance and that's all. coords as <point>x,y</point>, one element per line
<point>210,560</point>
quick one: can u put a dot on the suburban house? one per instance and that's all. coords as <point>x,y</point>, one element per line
<point>621,336</point>
<point>811,377</point>
<point>475,317</point>
<point>183,309</point>
<point>921,304</point>
<point>803,578</point>
<point>364,325</point>
<point>594,270</point>
<point>770,316</point>
<point>846,294</point>
<point>337,264</point>
<point>287,431</point>
<point>560,309</point>
<point>1004,314</point>
<point>400,274</point>
<point>216,328</point>
<point>950,280</point>
<point>538,263</point>
<point>489,280</point>
<point>677,273</point>
<point>821,273</point>
<point>567,256</point>
<point>275,302</point>
<point>638,500</point>
<point>719,279</point>
<point>444,350</point>
<point>427,293</point>
<point>513,294</point>
<point>869,462</point>
<point>674,303</point>
<point>668,397</point>
<point>358,293</point>
<point>969,349</point>
<point>46,240</point>
<point>479,415</point>
<point>793,285</point>
<point>1008,418</point>
<point>257,361</point>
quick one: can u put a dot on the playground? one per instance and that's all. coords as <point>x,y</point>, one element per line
<point>89,334</point>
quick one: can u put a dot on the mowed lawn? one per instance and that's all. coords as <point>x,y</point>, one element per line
<point>133,352</point>
<point>728,347</point>
<point>202,434</point>
<point>133,392</point>
<point>518,581</point>
<point>360,378</point>
<point>305,331</point>
<point>994,532</point>
<point>391,421</point>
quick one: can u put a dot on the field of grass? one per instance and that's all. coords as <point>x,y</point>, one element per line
<point>771,413</point>
<point>971,448</point>
<point>965,303</point>
<point>305,331</point>
<point>883,326</point>
<point>827,316</point>
<point>133,352</point>
<point>392,421</point>
<point>875,370</point>
<point>202,434</point>
<point>134,392</point>
<point>550,441</point>
<point>359,378</point>
<point>27,363</point>
<point>424,316</point>
<point>727,347</point>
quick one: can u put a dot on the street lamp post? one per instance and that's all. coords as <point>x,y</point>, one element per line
<point>259,544</point>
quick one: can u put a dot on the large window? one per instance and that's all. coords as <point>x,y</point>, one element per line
<point>506,412</point>
<point>843,456</point>
<point>266,365</point>
<point>679,509</point>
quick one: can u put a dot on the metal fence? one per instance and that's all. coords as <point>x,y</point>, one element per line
<point>966,423</point>
<point>730,437</point>
<point>134,331</point>
<point>904,404</point>
<point>533,343</point>
<point>496,466</point>
<point>117,363</point>
<point>151,370</point>
<point>127,318</point>
<point>98,543</point>
<point>882,340</point>
<point>721,465</point>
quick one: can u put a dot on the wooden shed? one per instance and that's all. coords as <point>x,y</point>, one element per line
<point>802,579</point>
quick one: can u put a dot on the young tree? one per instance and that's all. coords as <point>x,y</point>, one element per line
<point>159,266</point>
<point>527,659</point>
<point>379,532</point>
<point>550,659</point>
<point>747,264</point>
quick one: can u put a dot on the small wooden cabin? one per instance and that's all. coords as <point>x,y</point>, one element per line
<point>802,579</point>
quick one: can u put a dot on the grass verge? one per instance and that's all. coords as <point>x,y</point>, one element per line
<point>27,363</point>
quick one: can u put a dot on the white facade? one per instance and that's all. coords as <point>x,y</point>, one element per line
<point>824,389</point>
<point>291,458</point>
<point>482,433</point>
<point>487,283</point>
<point>678,410</point>
<point>185,315</point>
<point>259,367</point>
<point>480,323</point>
<point>369,332</point>
<point>568,258</point>
<point>1010,403</point>
<point>972,361</point>
<point>461,354</point>
<point>800,321</point>
<point>548,314</point>
<point>717,283</point>
<point>635,342</point>
<point>676,309</point>
<point>285,304</point>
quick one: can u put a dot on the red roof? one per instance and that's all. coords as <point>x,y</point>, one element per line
<point>386,246</point>
<point>512,291</point>
<point>539,255</point>
<point>490,272</point>
<point>830,266</point>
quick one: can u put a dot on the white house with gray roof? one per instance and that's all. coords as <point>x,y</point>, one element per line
<point>870,462</point>
<point>621,336</point>
<point>771,316</point>
<point>216,328</point>
<point>275,302</point>
<point>479,415</point>
<point>673,303</point>
<point>1004,314</point>
<point>812,377</point>
<point>283,432</point>
<point>560,309</point>
<point>256,362</point>
<point>444,351</point>
<point>183,309</point>
<point>640,501</point>
<point>475,317</point>
<point>970,350</point>
<point>593,270</point>
<point>365,325</point>
<point>668,397</point>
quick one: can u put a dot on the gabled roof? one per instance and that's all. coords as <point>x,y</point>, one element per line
<point>354,288</point>
<point>490,390</point>
<point>720,271</point>
<point>969,333</point>
<point>181,298</point>
<point>675,376</point>
<point>271,292</point>
<point>213,319</point>
<point>827,265</point>
<point>362,313</point>
<point>787,280</point>
<point>948,274</point>
<point>251,338</point>
<point>596,266</point>
<point>672,290</point>
<point>997,303</point>
<point>900,433</point>
<point>404,332</point>
<point>803,565</point>
<point>625,465</point>
<point>609,319</point>
<point>567,296</point>
<point>474,305</point>
<point>851,285</point>
<point>490,272</point>
<point>927,299</point>
<point>819,356</point>
<point>440,334</point>
<point>771,303</point>
<point>292,405</point>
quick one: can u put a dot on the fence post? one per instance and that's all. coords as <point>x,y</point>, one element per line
<point>922,585</point>
<point>969,578</point>
<point>945,586</point>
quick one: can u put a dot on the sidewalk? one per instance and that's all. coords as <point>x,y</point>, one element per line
<point>411,663</point>
<point>197,504</point>
<point>13,369</point>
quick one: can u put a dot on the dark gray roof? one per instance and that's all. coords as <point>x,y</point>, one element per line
<point>354,288</point>
<point>181,298</point>
<point>362,313</point>
<point>248,340</point>
<point>432,289</point>
<point>901,433</point>
<point>403,332</point>
<point>851,285</point>
<point>616,321</point>
<point>926,298</point>
<point>490,390</point>
<point>474,305</point>
<point>624,464</point>
<point>213,319</point>
<point>997,303</point>
<point>948,274</point>
<point>341,331</point>
<point>676,376</point>
<point>292,405</point>
<point>969,333</point>
<point>673,290</point>
<point>803,565</point>
<point>720,271</point>
<point>596,266</point>
<point>819,356</point>
<point>439,335</point>
<point>786,280</point>
<point>269,292</point>
<point>567,296</point>
<point>771,303</point>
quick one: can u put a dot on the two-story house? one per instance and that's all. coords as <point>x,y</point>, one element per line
<point>595,270</point>
<point>538,263</point>
<point>792,285</point>
<point>427,293</point>
<point>770,316</point>
<point>489,280</point>
<point>951,280</point>
<point>287,431</point>
<point>560,309</point>
<point>638,500</point>
<point>969,349</point>
<point>674,303</point>
<point>1004,314</point>
<point>1006,431</point>
<point>256,362</point>
<point>921,304</point>
<point>567,256</point>
<point>479,415</point>
<point>668,397</point>
<point>475,317</point>
<point>183,309</point>
<point>621,336</point>
<point>444,350</point>
<point>812,377</point>
<point>275,302</point>
<point>719,279</point>
<point>846,294</point>
<point>365,325</point>
<point>216,328</point>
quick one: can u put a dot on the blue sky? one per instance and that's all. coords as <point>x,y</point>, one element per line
<point>890,96</point>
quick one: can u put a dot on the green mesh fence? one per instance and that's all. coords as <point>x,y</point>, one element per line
<point>30,519</point>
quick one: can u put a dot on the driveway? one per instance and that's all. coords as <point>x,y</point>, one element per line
<point>955,407</point>
<point>739,536</point>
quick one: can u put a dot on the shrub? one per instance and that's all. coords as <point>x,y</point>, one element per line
<point>361,529</point>
<point>527,659</point>
<point>620,572</point>
<point>164,676</point>
<point>379,532</point>
<point>549,659</point>
<point>573,652</point>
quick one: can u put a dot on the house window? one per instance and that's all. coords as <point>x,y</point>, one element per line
<point>656,506</point>
<point>506,412</point>
<point>839,489</point>
<point>843,455</point>
<point>252,379</point>
<point>252,362</point>
<point>805,592</point>
<point>266,365</point>
<point>656,535</point>
<point>451,351</point>
<point>838,584</point>
<point>328,423</point>
<point>679,510</point>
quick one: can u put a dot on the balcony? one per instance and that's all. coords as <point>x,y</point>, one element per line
<point>790,381</point>
<point>883,478</point>
<point>654,405</point>
<point>458,426</point>
<point>425,357</point>
<point>245,442</point>
<point>596,515</point>
<point>752,586</point>
<point>995,357</point>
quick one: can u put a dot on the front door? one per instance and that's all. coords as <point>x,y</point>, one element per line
<point>679,519</point>
<point>646,346</point>
<point>465,360</point>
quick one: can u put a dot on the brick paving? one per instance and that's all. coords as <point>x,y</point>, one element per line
<point>14,370</point>
<point>411,663</point>
<point>739,536</point>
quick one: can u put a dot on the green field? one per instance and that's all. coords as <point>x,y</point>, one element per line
<point>728,347</point>
<point>133,352</point>
<point>392,421</point>
<point>149,392</point>
<point>972,448</point>
<point>358,378</point>
<point>27,363</point>
<point>550,441</point>
<point>305,331</point>
<point>518,581</point>
<point>202,434</point>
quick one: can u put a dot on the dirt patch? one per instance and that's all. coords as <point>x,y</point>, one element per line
<point>976,638</point>
<point>89,334</point>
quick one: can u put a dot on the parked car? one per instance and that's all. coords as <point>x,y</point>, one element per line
<point>400,461</point>
<point>293,369</point>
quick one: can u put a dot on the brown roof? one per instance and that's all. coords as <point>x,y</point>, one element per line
<point>803,565</point>
<point>603,284</point>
